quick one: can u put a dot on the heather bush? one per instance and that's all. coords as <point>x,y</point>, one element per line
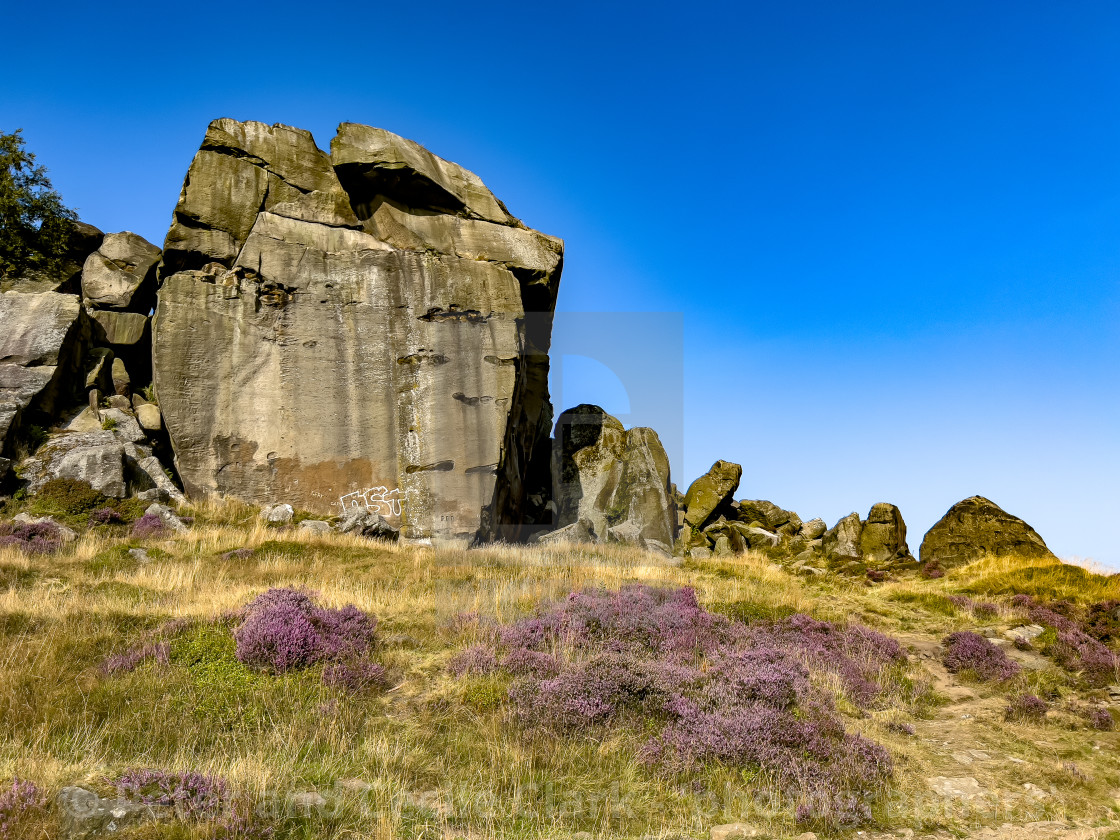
<point>193,796</point>
<point>1079,643</point>
<point>284,629</point>
<point>31,537</point>
<point>708,687</point>
<point>1101,719</point>
<point>149,525</point>
<point>106,516</point>
<point>971,652</point>
<point>477,659</point>
<point>134,657</point>
<point>932,570</point>
<point>17,801</point>
<point>1026,708</point>
<point>856,654</point>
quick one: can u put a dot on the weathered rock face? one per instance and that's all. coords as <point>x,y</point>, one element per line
<point>613,481</point>
<point>977,527</point>
<point>363,329</point>
<point>43,342</point>
<point>883,538</point>
<point>841,541</point>
<point>711,491</point>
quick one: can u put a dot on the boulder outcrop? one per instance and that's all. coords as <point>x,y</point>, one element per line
<point>366,329</point>
<point>612,484</point>
<point>975,528</point>
<point>710,493</point>
<point>44,338</point>
<point>120,274</point>
<point>879,540</point>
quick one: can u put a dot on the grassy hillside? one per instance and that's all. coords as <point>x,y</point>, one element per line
<point>111,662</point>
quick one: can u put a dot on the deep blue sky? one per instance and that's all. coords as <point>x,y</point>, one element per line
<point>892,230</point>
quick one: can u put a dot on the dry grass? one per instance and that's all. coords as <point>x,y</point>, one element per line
<point>436,756</point>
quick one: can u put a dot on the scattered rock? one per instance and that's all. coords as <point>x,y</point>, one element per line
<point>155,494</point>
<point>955,788</point>
<point>977,527</point>
<point>280,514</point>
<point>122,383</point>
<point>64,533</point>
<point>99,369</point>
<point>316,525</point>
<point>84,814</point>
<point>1026,633</point>
<point>96,458</point>
<point>730,831</point>
<point>140,555</point>
<point>149,417</point>
<point>367,524</point>
<point>123,424</point>
<point>814,529</point>
<point>168,516</point>
<point>581,531</point>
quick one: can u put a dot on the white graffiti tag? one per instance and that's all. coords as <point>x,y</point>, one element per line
<point>376,500</point>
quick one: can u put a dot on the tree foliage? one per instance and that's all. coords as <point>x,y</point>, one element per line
<point>35,226</point>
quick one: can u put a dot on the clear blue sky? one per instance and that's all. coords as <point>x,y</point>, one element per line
<point>891,230</point>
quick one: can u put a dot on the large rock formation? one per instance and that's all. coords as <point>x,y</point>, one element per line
<point>975,528</point>
<point>613,480</point>
<point>878,541</point>
<point>43,341</point>
<point>368,329</point>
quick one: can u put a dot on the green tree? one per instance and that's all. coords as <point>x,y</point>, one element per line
<point>35,226</point>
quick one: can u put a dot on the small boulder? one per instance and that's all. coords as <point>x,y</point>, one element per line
<point>122,422</point>
<point>365,523</point>
<point>580,531</point>
<point>280,514</point>
<point>711,492</point>
<point>975,528</point>
<point>149,417</point>
<point>99,369</point>
<point>814,529</point>
<point>122,383</point>
<point>154,494</point>
<point>768,514</point>
<point>167,515</point>
<point>64,533</point>
<point>85,815</point>
<point>317,526</point>
<point>734,831</point>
